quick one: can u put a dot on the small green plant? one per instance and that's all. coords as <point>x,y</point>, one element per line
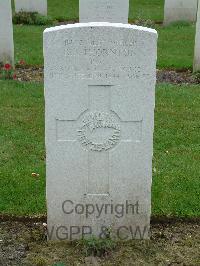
<point>97,246</point>
<point>31,18</point>
<point>60,18</point>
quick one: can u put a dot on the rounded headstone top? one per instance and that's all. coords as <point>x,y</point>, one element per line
<point>100,24</point>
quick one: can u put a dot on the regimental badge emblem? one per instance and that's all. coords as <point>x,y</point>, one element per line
<point>99,131</point>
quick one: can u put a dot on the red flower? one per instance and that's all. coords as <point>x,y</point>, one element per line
<point>7,66</point>
<point>14,76</point>
<point>22,62</point>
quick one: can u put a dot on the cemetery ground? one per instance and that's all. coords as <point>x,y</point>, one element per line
<point>175,196</point>
<point>171,244</point>
<point>176,165</point>
<point>66,10</point>
<point>175,193</point>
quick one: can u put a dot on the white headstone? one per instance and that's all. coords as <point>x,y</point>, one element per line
<point>99,95</point>
<point>104,10</point>
<point>6,33</point>
<point>197,43</point>
<point>39,6</point>
<point>180,10</point>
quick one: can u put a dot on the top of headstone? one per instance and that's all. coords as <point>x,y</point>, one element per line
<point>100,24</point>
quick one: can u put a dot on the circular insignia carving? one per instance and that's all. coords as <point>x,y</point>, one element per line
<point>99,131</point>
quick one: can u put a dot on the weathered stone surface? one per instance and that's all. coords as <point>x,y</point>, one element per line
<point>103,10</point>
<point>39,6</point>
<point>6,33</point>
<point>180,10</point>
<point>197,43</point>
<point>99,96</point>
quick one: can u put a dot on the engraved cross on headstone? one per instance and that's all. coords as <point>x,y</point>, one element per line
<point>99,130</point>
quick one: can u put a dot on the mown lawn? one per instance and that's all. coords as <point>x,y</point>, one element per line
<point>176,169</point>
<point>29,44</point>
<point>69,9</point>
<point>146,9</point>
<point>175,45</point>
<point>21,148</point>
<point>63,9</point>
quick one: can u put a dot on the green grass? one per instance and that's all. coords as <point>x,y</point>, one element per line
<point>146,9</point>
<point>69,9</point>
<point>176,188</point>
<point>22,148</point>
<point>63,9</point>
<point>28,44</point>
<point>175,45</point>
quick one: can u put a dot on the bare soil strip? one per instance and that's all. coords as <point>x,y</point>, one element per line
<point>24,243</point>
